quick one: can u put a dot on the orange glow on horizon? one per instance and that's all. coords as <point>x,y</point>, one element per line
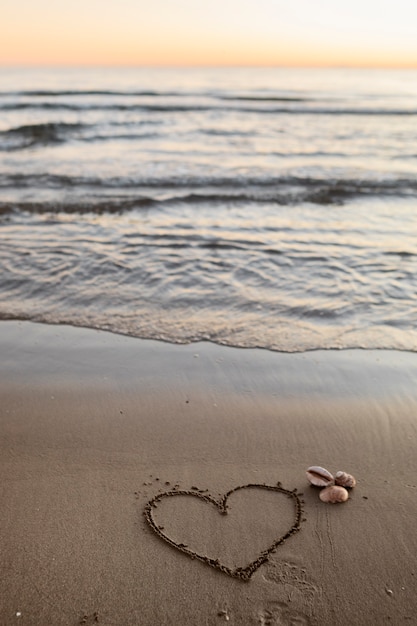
<point>267,33</point>
<point>165,56</point>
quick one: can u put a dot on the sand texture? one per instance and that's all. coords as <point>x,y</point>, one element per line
<point>95,426</point>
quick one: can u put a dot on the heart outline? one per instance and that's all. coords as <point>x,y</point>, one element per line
<point>243,573</point>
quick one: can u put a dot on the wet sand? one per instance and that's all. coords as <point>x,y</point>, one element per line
<point>93,426</point>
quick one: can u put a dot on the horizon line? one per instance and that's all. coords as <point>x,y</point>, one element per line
<point>202,66</point>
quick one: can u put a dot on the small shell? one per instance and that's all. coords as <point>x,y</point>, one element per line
<point>319,476</point>
<point>345,480</point>
<point>334,494</point>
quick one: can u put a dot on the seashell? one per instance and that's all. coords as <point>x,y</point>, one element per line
<point>333,494</point>
<point>319,476</point>
<point>345,480</point>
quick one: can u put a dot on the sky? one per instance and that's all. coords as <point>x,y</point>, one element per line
<point>358,33</point>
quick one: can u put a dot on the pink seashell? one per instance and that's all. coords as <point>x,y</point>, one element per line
<point>319,476</point>
<point>334,494</point>
<point>345,480</point>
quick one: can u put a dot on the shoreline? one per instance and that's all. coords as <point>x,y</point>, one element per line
<point>331,347</point>
<point>93,425</point>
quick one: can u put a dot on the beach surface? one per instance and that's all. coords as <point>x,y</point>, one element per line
<point>93,426</point>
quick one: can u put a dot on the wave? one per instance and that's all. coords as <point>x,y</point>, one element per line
<point>46,93</point>
<point>281,192</point>
<point>221,132</point>
<point>266,98</point>
<point>46,180</point>
<point>30,135</point>
<point>121,137</point>
<point>44,134</point>
<point>51,93</point>
<point>63,106</point>
<point>186,108</point>
<point>81,206</point>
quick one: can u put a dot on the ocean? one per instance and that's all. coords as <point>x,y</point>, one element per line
<point>271,208</point>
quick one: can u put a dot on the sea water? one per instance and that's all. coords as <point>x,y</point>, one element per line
<point>274,208</point>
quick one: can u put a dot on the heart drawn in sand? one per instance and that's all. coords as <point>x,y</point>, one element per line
<point>244,573</point>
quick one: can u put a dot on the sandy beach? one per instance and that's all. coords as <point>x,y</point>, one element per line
<point>94,425</point>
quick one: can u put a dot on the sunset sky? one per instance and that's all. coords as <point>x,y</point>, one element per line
<point>380,33</point>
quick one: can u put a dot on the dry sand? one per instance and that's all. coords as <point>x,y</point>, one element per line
<point>94,425</point>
